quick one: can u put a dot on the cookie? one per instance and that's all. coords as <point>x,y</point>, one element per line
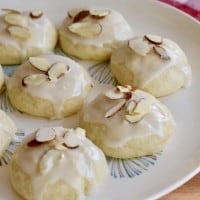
<point>126,122</point>
<point>92,33</point>
<point>151,63</point>
<point>49,86</point>
<point>57,163</point>
<point>25,34</point>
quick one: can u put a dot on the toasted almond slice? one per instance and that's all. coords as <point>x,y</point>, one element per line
<point>114,94</point>
<point>131,107</point>
<point>73,12</point>
<point>140,46</point>
<point>15,19</point>
<point>39,63</point>
<point>81,15</point>
<point>99,14</point>
<point>34,79</point>
<point>86,29</point>
<point>115,108</point>
<point>154,39</point>
<point>45,134</point>
<point>134,118</point>
<point>144,106</point>
<point>71,140</point>
<point>161,52</point>
<point>19,32</point>
<point>123,89</point>
<point>35,14</point>
<point>11,10</point>
<point>57,70</point>
<point>80,133</point>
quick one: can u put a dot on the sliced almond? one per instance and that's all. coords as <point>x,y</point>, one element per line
<point>115,108</point>
<point>57,70</point>
<point>154,39</point>
<point>45,134</point>
<point>73,12</point>
<point>144,106</point>
<point>36,14</point>
<point>71,140</point>
<point>86,29</point>
<point>81,15</point>
<point>39,63</point>
<point>134,118</point>
<point>139,46</point>
<point>99,14</point>
<point>131,107</point>
<point>34,79</point>
<point>122,88</point>
<point>161,52</point>
<point>10,10</point>
<point>19,32</point>
<point>114,94</point>
<point>15,19</point>
<point>80,133</point>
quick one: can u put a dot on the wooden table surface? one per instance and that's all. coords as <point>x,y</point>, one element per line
<point>189,191</point>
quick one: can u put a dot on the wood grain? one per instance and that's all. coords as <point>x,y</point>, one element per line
<point>189,191</point>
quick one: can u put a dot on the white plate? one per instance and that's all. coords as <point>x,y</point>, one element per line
<point>151,177</point>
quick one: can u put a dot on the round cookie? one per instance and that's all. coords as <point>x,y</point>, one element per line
<point>49,86</point>
<point>25,34</point>
<point>152,63</point>
<point>92,33</point>
<point>7,131</point>
<point>126,122</point>
<point>57,163</point>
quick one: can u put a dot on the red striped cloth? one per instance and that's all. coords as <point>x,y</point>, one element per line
<point>191,7</point>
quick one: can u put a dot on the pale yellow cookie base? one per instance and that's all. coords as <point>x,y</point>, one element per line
<point>36,106</point>
<point>136,147</point>
<point>165,84</point>
<point>22,184</point>
<point>83,51</point>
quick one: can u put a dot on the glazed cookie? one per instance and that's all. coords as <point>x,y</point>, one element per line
<point>56,163</point>
<point>49,86</point>
<point>126,122</point>
<point>92,33</point>
<point>7,131</point>
<point>152,63</point>
<point>25,34</point>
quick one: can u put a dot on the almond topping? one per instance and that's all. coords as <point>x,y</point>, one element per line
<point>39,63</point>
<point>57,70</point>
<point>86,29</point>
<point>140,46</point>
<point>73,12</point>
<point>45,135</point>
<point>123,89</point>
<point>134,118</point>
<point>36,14</point>
<point>115,108</point>
<point>71,140</point>
<point>19,32</point>
<point>154,39</point>
<point>161,52</point>
<point>114,94</point>
<point>34,79</point>
<point>81,15</point>
<point>144,105</point>
<point>15,19</point>
<point>10,10</point>
<point>131,107</point>
<point>99,14</point>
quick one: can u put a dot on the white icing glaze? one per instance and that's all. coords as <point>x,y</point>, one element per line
<point>39,29</point>
<point>76,82</point>
<point>114,29</point>
<point>147,68</point>
<point>45,164</point>
<point>121,131</point>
